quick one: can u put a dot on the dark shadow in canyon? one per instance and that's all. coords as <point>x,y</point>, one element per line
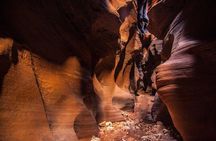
<point>5,65</point>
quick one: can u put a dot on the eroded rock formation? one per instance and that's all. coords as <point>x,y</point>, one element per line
<point>47,67</point>
<point>61,73</point>
<point>186,80</point>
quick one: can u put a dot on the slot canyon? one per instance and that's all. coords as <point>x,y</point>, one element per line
<point>107,70</point>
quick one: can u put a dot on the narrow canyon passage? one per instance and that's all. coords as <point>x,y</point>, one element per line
<point>107,70</point>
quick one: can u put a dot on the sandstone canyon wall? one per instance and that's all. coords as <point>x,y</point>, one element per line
<point>185,81</point>
<point>61,73</point>
<point>48,53</point>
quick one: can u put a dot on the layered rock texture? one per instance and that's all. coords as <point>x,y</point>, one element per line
<point>48,52</point>
<point>65,66</point>
<point>185,81</point>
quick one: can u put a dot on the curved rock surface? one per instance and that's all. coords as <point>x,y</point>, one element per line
<point>46,68</point>
<point>60,75</point>
<point>185,81</point>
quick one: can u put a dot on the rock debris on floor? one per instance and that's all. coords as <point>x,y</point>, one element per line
<point>133,129</point>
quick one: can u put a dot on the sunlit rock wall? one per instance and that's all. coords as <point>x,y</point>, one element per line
<point>48,53</point>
